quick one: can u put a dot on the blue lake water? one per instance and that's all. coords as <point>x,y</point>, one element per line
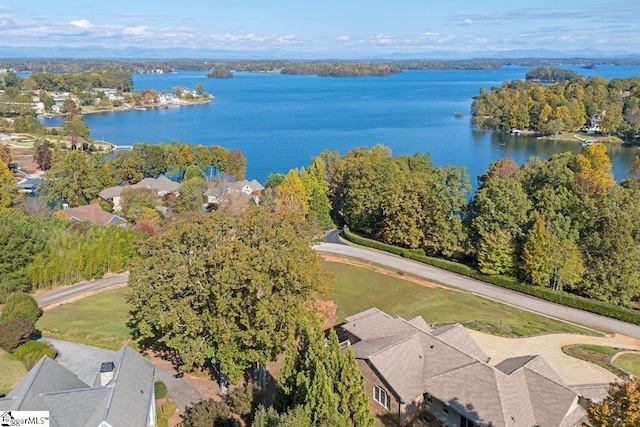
<point>280,121</point>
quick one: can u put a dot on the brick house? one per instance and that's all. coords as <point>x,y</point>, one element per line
<point>410,368</point>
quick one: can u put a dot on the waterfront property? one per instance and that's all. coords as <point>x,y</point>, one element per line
<point>161,185</point>
<point>411,370</point>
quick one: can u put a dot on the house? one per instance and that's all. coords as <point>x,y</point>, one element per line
<point>93,214</point>
<point>220,190</point>
<point>161,185</point>
<point>122,394</point>
<point>594,123</point>
<point>409,368</point>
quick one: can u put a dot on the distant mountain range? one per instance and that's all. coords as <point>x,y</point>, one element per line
<point>95,52</point>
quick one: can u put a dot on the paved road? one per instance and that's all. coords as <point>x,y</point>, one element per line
<point>480,288</point>
<point>67,293</point>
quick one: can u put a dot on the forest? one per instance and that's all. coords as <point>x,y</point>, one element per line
<point>564,106</point>
<point>562,223</point>
<point>551,75</point>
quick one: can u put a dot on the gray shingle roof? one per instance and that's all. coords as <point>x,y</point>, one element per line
<point>123,402</point>
<point>447,363</point>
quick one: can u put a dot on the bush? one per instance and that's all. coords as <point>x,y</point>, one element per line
<point>20,305</point>
<point>241,400</point>
<point>160,389</point>
<point>563,298</point>
<point>169,408</point>
<point>15,332</point>
<point>32,351</point>
<point>207,413</point>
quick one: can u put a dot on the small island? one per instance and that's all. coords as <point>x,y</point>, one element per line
<point>551,75</point>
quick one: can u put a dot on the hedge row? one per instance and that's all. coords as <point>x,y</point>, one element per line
<point>563,298</point>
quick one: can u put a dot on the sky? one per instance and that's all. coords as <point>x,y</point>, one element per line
<point>327,28</point>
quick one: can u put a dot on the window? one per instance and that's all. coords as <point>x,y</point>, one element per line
<point>428,398</point>
<point>445,409</point>
<point>465,422</point>
<point>381,396</point>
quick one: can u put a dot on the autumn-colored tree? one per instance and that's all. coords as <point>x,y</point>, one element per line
<point>224,289</point>
<point>593,170</point>
<point>621,408</point>
<point>292,195</point>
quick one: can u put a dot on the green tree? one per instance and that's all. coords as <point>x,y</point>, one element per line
<point>208,413</point>
<point>191,193</point>
<point>269,417</point>
<point>226,289</point>
<point>74,177</point>
<point>20,305</point>
<point>324,381</point>
<point>275,179</point>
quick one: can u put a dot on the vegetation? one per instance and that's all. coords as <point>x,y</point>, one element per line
<point>207,413</point>
<point>15,332</point>
<point>325,382</point>
<point>359,287</point>
<point>551,75</point>
<point>596,354</point>
<point>629,362</point>
<point>11,372</point>
<point>564,106</point>
<point>541,223</point>
<point>99,320</point>
<point>620,408</point>
<point>31,352</point>
<point>20,305</point>
<point>254,274</point>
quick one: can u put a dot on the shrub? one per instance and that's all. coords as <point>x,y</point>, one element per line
<point>169,408</point>
<point>207,413</point>
<point>15,332</point>
<point>160,389</point>
<point>241,400</point>
<point>32,351</point>
<point>563,298</point>
<point>20,305</point>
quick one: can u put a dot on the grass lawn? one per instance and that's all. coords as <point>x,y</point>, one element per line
<point>11,372</point>
<point>359,288</point>
<point>630,362</point>
<point>98,320</point>
<point>597,354</point>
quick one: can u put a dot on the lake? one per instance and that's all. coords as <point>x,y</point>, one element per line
<point>280,121</point>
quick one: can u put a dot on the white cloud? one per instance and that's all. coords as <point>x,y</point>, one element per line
<point>343,38</point>
<point>134,31</point>
<point>82,23</point>
<point>430,34</point>
<point>467,21</point>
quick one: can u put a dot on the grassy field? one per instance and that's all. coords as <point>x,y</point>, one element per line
<point>98,320</point>
<point>101,319</point>
<point>11,372</point>
<point>601,355</point>
<point>630,362</point>
<point>359,288</point>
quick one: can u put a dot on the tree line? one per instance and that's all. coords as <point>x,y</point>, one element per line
<point>564,106</point>
<point>561,223</point>
<point>551,75</point>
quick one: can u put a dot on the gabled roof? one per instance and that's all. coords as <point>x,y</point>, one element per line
<point>93,214</point>
<point>160,184</point>
<point>123,402</point>
<point>412,359</point>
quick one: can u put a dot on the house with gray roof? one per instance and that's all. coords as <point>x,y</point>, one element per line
<point>409,368</point>
<point>161,185</point>
<point>122,394</point>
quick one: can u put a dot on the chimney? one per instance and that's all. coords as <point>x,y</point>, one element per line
<point>106,373</point>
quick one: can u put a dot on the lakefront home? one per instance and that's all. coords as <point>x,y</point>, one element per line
<point>411,370</point>
<point>161,185</point>
<point>122,394</point>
